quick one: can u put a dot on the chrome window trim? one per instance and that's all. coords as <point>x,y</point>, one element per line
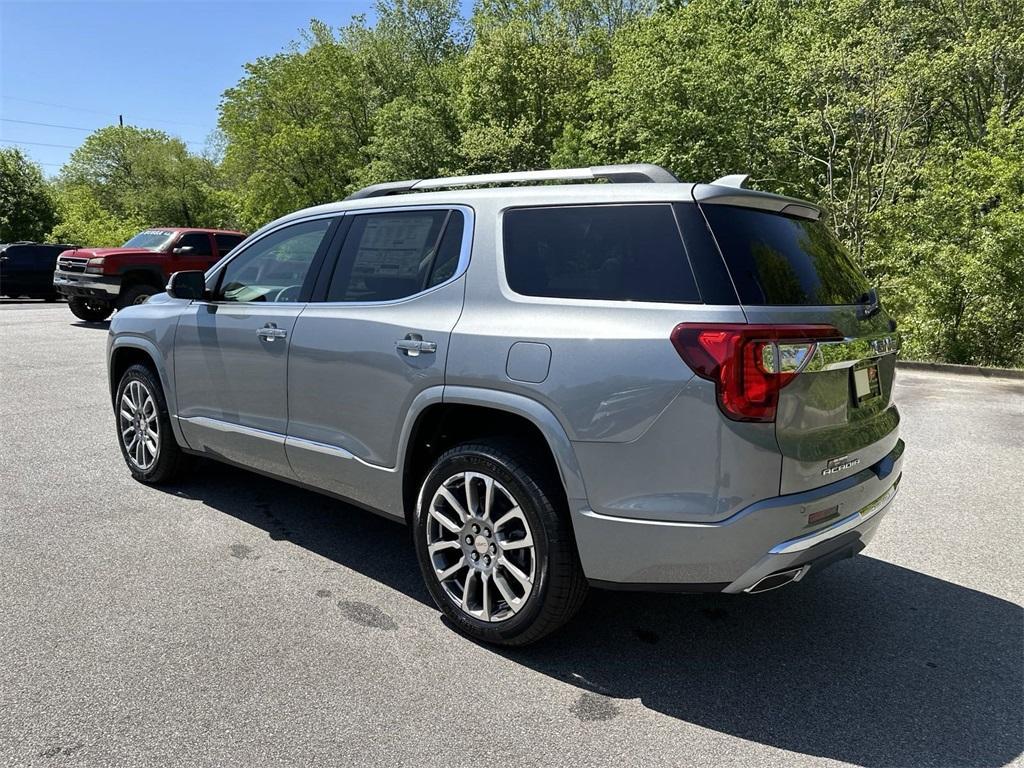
<point>465,252</point>
<point>213,272</point>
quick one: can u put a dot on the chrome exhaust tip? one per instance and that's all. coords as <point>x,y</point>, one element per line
<point>777,579</point>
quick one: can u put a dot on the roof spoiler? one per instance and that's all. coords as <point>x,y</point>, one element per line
<point>618,174</point>
<point>738,180</point>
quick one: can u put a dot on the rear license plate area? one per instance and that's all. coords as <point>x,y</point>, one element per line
<point>866,383</point>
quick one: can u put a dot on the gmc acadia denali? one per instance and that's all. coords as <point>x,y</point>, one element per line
<point>638,384</point>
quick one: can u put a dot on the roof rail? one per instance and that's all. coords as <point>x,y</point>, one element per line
<point>738,180</point>
<point>638,172</point>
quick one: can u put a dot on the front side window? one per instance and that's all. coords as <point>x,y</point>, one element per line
<point>388,256</point>
<point>274,268</point>
<point>600,252</point>
<point>199,242</point>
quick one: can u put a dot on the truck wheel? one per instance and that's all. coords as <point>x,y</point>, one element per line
<point>144,428</point>
<point>495,546</point>
<point>137,294</point>
<point>90,310</point>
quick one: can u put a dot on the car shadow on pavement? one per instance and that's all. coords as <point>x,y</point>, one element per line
<point>866,662</point>
<point>103,325</point>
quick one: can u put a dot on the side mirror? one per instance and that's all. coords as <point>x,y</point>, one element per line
<point>190,284</point>
<point>183,249</point>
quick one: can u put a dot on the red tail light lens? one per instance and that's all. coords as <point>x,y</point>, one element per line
<point>748,363</point>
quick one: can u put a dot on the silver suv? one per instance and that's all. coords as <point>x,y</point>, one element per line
<point>637,384</point>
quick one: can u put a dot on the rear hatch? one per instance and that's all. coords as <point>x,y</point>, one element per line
<point>835,417</point>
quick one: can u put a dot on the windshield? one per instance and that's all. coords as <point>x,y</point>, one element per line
<point>776,259</point>
<point>153,239</point>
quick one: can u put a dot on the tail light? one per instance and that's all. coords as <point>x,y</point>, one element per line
<point>749,363</point>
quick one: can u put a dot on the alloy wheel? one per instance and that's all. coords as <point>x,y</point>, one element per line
<point>480,546</point>
<point>140,425</point>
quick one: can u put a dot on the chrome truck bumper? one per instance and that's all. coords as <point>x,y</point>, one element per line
<point>71,284</point>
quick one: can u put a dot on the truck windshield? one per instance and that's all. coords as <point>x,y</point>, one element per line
<point>152,239</point>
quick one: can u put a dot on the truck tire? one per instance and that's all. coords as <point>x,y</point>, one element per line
<point>90,310</point>
<point>137,294</point>
<point>495,545</point>
<point>144,428</point>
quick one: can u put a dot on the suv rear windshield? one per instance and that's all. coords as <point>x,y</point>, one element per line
<point>613,252</point>
<point>776,259</point>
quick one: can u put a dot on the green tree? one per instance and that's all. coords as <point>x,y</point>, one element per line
<point>147,176</point>
<point>296,125</point>
<point>26,206</point>
<point>84,221</point>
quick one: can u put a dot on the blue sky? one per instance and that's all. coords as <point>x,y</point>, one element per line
<point>161,64</point>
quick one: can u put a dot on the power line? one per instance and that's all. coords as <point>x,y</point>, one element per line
<point>46,125</point>
<point>74,128</point>
<point>39,144</point>
<point>100,112</point>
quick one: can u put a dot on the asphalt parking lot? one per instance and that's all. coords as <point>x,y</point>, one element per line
<point>235,620</point>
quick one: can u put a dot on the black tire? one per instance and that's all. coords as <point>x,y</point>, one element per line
<point>137,294</point>
<point>50,298</point>
<point>170,460</point>
<point>559,586</point>
<point>90,310</point>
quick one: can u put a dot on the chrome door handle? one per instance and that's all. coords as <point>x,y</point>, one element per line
<point>413,345</point>
<point>270,331</point>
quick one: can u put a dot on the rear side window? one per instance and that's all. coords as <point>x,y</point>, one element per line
<point>389,256</point>
<point>226,242</point>
<point>776,259</point>
<point>611,252</point>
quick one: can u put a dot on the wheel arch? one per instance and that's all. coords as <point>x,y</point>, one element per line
<point>126,351</point>
<point>469,412</point>
<point>132,276</point>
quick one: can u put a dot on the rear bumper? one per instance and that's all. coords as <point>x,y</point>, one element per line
<point>735,554</point>
<point>74,284</point>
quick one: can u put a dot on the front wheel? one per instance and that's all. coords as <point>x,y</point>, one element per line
<point>137,294</point>
<point>90,310</point>
<point>144,428</point>
<point>495,545</point>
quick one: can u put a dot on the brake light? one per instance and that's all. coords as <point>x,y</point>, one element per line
<point>749,363</point>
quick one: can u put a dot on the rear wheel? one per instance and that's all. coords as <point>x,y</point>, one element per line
<point>137,294</point>
<point>144,428</point>
<point>90,310</point>
<point>495,546</point>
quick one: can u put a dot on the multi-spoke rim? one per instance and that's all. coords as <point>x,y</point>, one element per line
<point>140,427</point>
<point>481,547</point>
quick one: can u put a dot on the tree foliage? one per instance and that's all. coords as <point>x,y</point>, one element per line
<point>27,210</point>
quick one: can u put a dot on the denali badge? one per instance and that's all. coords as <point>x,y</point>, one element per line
<point>838,465</point>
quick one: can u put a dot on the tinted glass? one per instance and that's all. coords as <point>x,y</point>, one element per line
<point>448,252</point>
<point>616,252</point>
<point>154,239</point>
<point>199,242</point>
<point>387,256</point>
<point>777,259</point>
<point>226,242</point>
<point>274,267</point>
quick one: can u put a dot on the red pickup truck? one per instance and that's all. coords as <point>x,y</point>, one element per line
<point>96,281</point>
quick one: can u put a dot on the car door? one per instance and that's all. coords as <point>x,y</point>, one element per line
<point>377,340</point>
<point>193,250</point>
<point>231,352</point>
